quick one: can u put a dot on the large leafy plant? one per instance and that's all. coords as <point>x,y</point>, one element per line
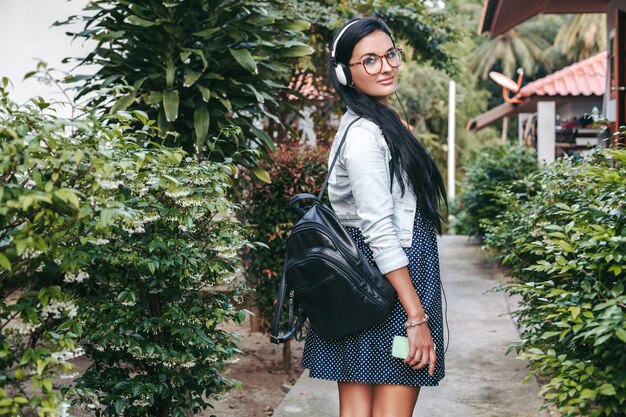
<point>111,246</point>
<point>565,241</point>
<point>195,66</point>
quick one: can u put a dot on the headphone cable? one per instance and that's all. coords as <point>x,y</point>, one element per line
<point>406,118</point>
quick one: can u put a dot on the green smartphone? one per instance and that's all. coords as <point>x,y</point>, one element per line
<point>400,347</point>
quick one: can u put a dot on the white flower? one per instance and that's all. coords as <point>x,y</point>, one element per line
<point>21,327</point>
<point>150,218</point>
<point>66,355</point>
<point>109,185</point>
<point>142,191</point>
<point>190,202</point>
<point>56,308</point>
<point>178,193</point>
<point>30,253</point>
<point>79,276</point>
<point>188,364</point>
<point>63,408</point>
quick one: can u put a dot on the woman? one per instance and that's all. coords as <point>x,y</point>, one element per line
<point>386,190</point>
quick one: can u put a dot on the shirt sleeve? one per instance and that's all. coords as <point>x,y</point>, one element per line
<point>368,171</point>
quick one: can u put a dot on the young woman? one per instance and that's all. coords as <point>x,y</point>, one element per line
<point>386,190</point>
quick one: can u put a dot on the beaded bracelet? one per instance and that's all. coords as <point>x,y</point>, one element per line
<point>410,324</point>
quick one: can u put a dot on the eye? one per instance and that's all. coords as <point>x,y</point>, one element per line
<point>392,53</point>
<point>370,60</point>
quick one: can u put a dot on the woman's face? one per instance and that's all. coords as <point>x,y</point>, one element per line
<point>378,85</point>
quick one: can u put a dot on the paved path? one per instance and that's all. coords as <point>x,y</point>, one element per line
<point>480,380</point>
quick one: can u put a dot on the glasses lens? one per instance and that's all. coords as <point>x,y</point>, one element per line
<point>394,57</point>
<point>372,64</point>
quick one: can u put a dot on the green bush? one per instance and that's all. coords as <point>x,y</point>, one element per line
<point>294,169</point>
<point>111,245</point>
<point>44,194</point>
<point>565,241</point>
<point>487,171</point>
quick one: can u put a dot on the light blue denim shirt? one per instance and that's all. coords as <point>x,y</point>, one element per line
<point>360,192</point>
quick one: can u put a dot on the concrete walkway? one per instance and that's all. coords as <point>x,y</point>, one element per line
<point>480,380</point>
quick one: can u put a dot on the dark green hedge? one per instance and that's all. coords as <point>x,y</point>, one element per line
<point>565,241</point>
<point>487,171</point>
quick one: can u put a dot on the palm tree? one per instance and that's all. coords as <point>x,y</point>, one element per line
<point>514,48</point>
<point>583,36</point>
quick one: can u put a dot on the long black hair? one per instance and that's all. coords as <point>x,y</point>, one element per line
<point>408,156</point>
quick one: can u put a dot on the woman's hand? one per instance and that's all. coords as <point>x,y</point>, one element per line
<point>421,348</point>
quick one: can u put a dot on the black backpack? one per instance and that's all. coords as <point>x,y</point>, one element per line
<point>328,279</point>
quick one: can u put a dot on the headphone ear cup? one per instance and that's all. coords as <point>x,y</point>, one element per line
<point>343,74</point>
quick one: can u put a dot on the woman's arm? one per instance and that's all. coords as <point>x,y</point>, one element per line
<point>421,346</point>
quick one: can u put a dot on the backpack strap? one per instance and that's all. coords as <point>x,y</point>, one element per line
<point>332,164</point>
<point>295,324</point>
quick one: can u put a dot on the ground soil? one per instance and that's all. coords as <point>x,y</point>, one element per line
<point>260,369</point>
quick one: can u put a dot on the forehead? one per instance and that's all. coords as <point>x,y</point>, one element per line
<point>377,42</point>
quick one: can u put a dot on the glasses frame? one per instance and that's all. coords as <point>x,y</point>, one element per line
<point>362,62</point>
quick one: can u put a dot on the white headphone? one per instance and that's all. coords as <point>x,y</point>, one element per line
<point>341,71</point>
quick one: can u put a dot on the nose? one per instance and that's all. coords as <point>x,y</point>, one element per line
<point>385,66</point>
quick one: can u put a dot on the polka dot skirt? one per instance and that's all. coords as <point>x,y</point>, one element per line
<point>366,356</point>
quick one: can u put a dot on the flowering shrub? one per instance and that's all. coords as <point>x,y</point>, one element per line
<point>111,245</point>
<point>487,171</point>
<point>565,240</point>
<point>294,169</point>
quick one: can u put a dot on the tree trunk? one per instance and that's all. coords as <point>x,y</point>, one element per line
<point>287,362</point>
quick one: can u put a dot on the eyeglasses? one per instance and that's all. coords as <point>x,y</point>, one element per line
<point>373,64</point>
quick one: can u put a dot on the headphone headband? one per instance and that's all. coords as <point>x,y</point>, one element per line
<point>333,51</point>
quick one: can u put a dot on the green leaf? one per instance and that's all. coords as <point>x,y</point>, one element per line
<point>68,195</point>
<point>606,389</point>
<point>227,104</point>
<point>170,73</point>
<point>574,311</point>
<point>588,394</point>
<point>297,51</point>
<point>293,25</point>
<point>201,121</point>
<point>244,58</point>
<point>123,102</point>
<point>206,93</point>
<point>154,97</point>
<point>265,138</point>
<point>191,77</point>
<point>4,262</point>
<point>262,174</point>
<point>136,20</point>
<point>170,104</point>
<point>207,32</point>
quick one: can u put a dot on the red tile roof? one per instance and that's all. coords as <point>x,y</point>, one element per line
<point>584,78</point>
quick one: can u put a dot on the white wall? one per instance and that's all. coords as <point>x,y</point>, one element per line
<point>27,34</point>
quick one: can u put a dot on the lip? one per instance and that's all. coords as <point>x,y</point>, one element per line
<point>386,81</point>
